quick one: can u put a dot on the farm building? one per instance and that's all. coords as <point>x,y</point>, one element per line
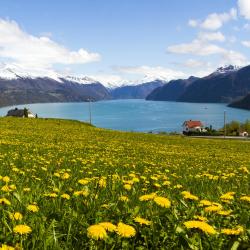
<point>21,113</point>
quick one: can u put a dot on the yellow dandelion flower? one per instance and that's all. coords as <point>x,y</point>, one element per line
<point>142,221</point>
<point>26,189</point>
<point>245,198</point>
<point>202,225</point>
<point>65,176</point>
<point>126,231</point>
<point>235,231</point>
<point>77,193</point>
<point>157,185</point>
<point>22,229</point>
<point>65,196</point>
<point>57,174</point>
<point>226,201</point>
<point>201,218</point>
<point>16,216</point>
<point>6,247</point>
<point>12,187</point>
<point>51,195</point>
<point>33,208</point>
<point>4,201</point>
<point>135,179</point>
<point>227,196</point>
<point>108,226</point>
<point>162,201</point>
<point>5,188</point>
<point>213,208</point>
<point>166,183</point>
<point>127,186</point>
<point>188,196</point>
<point>147,197</point>
<point>124,198</point>
<point>225,213</point>
<point>96,232</point>
<point>83,181</point>
<point>102,183</point>
<point>154,178</point>
<point>206,203</point>
<point>6,179</point>
<point>245,170</point>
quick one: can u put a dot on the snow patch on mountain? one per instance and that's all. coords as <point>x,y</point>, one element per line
<point>80,80</point>
<point>14,71</point>
<point>227,69</point>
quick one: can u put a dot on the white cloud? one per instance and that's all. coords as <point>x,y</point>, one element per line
<point>193,23</point>
<point>192,63</point>
<point>203,48</point>
<point>152,72</point>
<point>246,43</point>
<point>211,36</point>
<point>196,47</point>
<point>246,26</point>
<point>41,52</point>
<point>214,21</point>
<point>244,8</point>
<point>234,58</point>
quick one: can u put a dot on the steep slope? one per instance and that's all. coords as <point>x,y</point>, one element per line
<point>243,103</point>
<point>40,90</point>
<point>219,87</point>
<point>171,91</point>
<point>136,91</point>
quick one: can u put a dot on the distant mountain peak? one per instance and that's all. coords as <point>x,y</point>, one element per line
<point>81,80</point>
<point>227,69</point>
<point>15,71</point>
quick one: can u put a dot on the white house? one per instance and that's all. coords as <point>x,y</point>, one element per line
<point>20,113</point>
<point>244,134</point>
<point>193,126</point>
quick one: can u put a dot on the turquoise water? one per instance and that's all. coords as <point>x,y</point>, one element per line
<point>139,115</point>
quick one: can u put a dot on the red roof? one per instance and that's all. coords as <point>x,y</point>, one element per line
<point>193,124</point>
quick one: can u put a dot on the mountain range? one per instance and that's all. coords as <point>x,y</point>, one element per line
<point>18,86</point>
<point>225,85</point>
<point>140,91</point>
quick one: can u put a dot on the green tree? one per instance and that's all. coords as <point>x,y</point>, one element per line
<point>25,111</point>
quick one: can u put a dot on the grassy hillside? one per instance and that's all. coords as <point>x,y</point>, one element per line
<point>59,178</point>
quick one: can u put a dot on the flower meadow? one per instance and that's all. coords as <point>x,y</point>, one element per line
<point>68,185</point>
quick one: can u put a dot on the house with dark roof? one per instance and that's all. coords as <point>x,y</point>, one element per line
<point>193,126</point>
<point>21,113</point>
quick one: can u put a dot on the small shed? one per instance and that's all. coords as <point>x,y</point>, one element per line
<point>244,134</point>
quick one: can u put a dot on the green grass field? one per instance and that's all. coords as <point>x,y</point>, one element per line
<point>61,180</point>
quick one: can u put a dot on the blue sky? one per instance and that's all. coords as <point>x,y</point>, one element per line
<point>126,39</point>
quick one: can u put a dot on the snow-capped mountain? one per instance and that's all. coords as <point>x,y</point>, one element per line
<point>147,79</point>
<point>225,85</point>
<point>80,80</point>
<point>20,86</point>
<point>226,69</point>
<point>15,71</point>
